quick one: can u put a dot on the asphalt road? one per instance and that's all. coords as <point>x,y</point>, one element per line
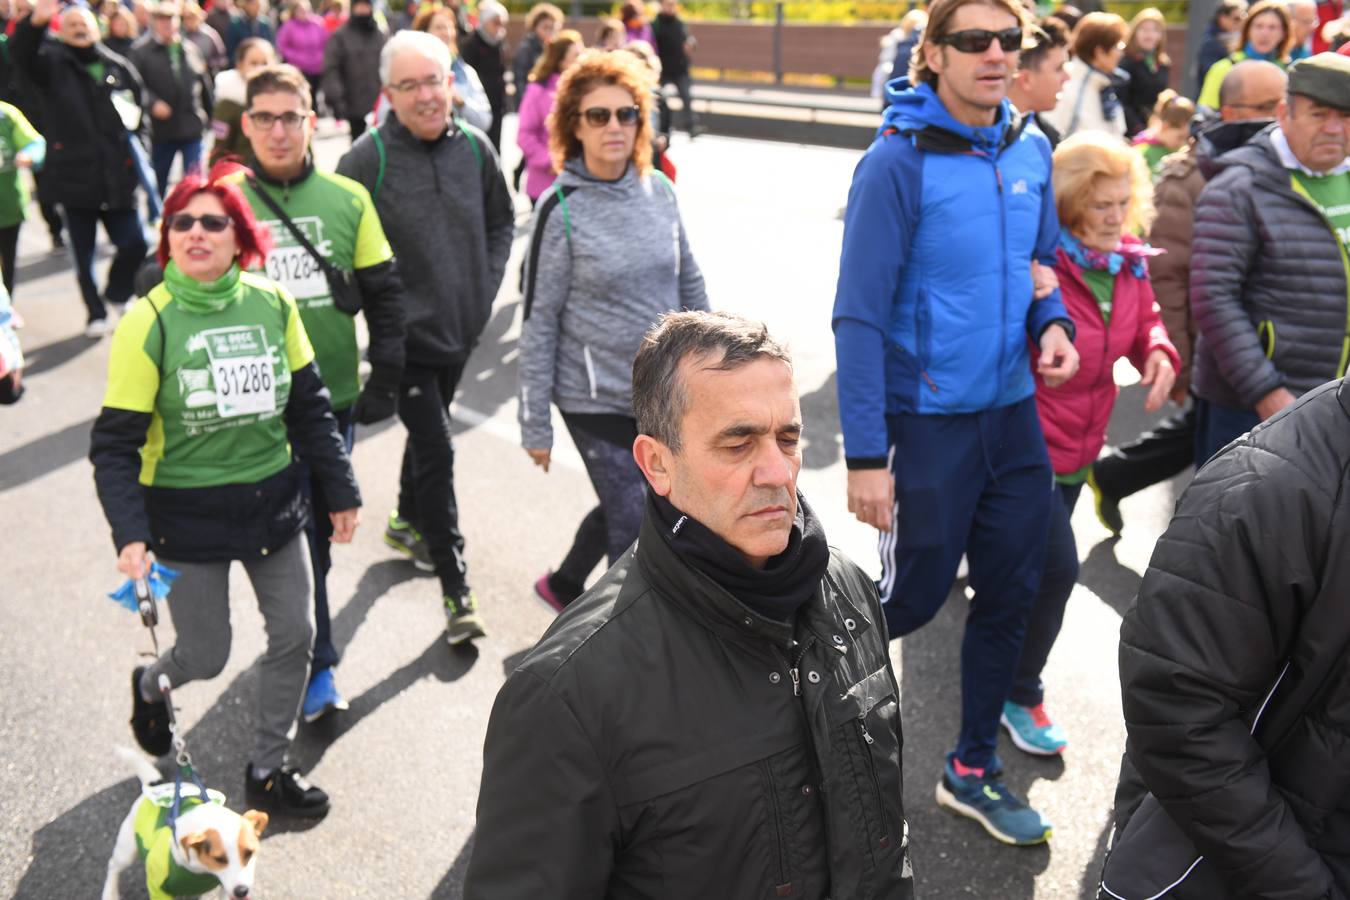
<point>403,764</point>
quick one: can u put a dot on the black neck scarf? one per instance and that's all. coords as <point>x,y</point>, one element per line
<point>776,591</point>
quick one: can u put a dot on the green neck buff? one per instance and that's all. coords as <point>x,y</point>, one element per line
<point>203,297</point>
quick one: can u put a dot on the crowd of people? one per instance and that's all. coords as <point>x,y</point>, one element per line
<point>1038,205</point>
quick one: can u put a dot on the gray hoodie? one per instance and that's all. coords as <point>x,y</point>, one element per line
<point>592,296</point>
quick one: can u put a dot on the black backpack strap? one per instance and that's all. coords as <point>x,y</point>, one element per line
<point>550,201</point>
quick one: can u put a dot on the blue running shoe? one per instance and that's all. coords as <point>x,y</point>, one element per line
<point>321,697</point>
<point>1032,731</point>
<point>989,802</point>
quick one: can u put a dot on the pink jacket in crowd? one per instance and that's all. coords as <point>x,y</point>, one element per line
<point>532,135</point>
<point>301,42</point>
<point>1074,415</point>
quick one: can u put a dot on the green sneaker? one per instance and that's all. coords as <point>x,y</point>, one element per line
<point>401,536</point>
<point>461,619</point>
<point>1106,506</point>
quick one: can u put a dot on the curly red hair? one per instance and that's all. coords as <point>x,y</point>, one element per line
<point>254,240</point>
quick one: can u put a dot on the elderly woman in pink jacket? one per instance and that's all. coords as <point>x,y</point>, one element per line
<point>1103,192</point>
<point>535,106</point>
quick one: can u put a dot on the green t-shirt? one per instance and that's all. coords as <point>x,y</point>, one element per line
<point>1103,287</point>
<point>1153,156</point>
<point>1330,194</point>
<point>16,132</point>
<point>216,384</point>
<point>338,218</point>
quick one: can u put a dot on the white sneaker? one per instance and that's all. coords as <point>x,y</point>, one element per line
<point>96,328</point>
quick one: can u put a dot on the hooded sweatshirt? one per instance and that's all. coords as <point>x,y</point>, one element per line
<point>935,310</point>
<point>447,213</point>
<point>602,269</point>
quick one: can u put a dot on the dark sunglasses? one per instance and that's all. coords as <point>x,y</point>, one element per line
<point>599,115</point>
<point>977,40</point>
<point>183,222</point>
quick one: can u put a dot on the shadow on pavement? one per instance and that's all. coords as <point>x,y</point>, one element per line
<point>451,886</point>
<point>1108,578</point>
<point>70,853</point>
<point>1092,873</point>
<point>54,355</point>
<point>492,366</point>
<point>43,455</point>
<point>954,856</point>
<point>444,663</point>
<point>824,444</point>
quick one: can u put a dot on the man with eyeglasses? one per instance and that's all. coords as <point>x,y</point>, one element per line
<point>441,196</point>
<point>337,219</point>
<point>1270,274</point>
<point>935,309</point>
<point>1248,97</point>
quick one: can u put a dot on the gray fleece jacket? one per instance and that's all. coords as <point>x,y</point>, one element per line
<point>447,213</point>
<point>592,295</point>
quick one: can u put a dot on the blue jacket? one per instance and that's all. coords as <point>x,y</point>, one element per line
<point>934,305</point>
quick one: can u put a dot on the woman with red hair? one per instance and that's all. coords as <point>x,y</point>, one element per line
<point>211,382</point>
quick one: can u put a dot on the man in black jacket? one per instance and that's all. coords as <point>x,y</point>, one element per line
<point>1235,677</point>
<point>1271,260</point>
<point>178,90</point>
<point>443,202</point>
<point>485,50</point>
<point>720,712</point>
<point>93,98</point>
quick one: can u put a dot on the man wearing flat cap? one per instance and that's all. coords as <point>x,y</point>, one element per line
<point>1271,260</point>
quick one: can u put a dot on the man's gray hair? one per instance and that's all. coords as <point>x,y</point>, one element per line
<point>419,42</point>
<point>724,340</point>
<point>492,11</point>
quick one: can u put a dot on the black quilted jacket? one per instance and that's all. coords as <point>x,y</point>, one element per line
<point>1268,285</point>
<point>1248,589</point>
<point>652,745</point>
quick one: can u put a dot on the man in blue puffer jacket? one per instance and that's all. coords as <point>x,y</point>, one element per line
<point>934,317</point>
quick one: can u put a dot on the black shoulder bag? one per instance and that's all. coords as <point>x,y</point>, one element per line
<point>341,283</point>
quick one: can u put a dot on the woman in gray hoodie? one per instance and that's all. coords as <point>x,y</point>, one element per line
<point>608,256</point>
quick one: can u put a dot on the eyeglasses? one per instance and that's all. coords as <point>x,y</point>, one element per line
<point>598,116</point>
<point>435,83</point>
<point>291,121</point>
<point>183,222</point>
<point>977,40</point>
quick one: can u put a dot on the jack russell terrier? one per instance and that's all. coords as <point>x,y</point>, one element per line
<point>210,847</point>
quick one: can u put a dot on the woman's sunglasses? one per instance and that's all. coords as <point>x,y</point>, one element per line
<point>977,40</point>
<point>183,222</point>
<point>599,115</point>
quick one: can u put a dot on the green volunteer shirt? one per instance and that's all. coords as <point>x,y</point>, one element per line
<point>339,220</point>
<point>216,384</point>
<point>1330,194</point>
<point>16,132</point>
<point>1103,287</point>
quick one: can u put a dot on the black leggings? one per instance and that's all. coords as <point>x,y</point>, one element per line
<point>605,442</point>
<point>9,244</point>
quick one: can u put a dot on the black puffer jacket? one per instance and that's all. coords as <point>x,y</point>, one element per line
<point>186,88</point>
<point>89,163</point>
<point>1267,283</point>
<point>651,746</point>
<point>1248,589</point>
